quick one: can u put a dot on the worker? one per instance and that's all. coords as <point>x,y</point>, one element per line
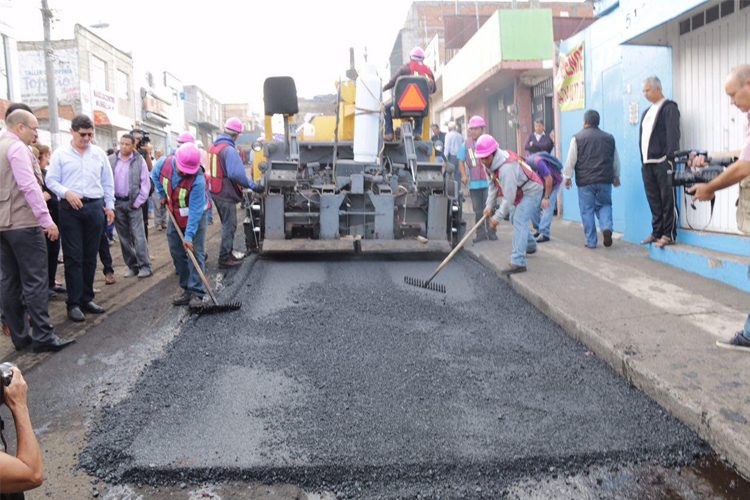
<point>519,185</point>
<point>474,176</point>
<point>227,177</point>
<point>415,67</point>
<point>182,188</point>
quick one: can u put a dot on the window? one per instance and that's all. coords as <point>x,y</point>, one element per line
<point>684,26</point>
<point>727,7</point>
<point>698,20</point>
<point>744,3</point>
<point>122,85</point>
<point>99,78</point>
<point>712,14</point>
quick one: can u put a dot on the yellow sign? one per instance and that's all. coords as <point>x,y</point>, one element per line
<point>569,80</point>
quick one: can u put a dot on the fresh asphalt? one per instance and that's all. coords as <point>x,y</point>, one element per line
<point>336,376</point>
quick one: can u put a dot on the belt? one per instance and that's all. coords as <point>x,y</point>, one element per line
<point>90,200</point>
<point>122,198</point>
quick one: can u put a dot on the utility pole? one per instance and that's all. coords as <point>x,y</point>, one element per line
<point>49,67</point>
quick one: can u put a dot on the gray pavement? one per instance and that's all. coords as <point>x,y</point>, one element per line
<point>654,324</point>
<point>337,376</point>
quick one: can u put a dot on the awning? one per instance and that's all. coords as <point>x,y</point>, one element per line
<point>101,118</point>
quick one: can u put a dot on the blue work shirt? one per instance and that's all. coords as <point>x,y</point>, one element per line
<point>197,201</point>
<point>461,156</point>
<point>88,175</point>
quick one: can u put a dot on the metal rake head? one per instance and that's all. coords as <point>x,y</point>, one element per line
<point>215,308</point>
<point>420,283</point>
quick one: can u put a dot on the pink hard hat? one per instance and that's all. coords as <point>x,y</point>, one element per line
<point>486,145</point>
<point>477,121</point>
<point>417,53</point>
<point>188,158</point>
<point>185,137</point>
<point>235,125</point>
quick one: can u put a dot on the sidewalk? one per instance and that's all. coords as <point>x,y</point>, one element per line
<point>111,297</point>
<point>654,324</point>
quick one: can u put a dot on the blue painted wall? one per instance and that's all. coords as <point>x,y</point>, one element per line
<point>614,79</point>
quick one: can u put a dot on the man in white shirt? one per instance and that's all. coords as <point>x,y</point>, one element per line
<point>659,139</point>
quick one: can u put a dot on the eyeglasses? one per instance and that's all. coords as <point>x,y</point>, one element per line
<point>85,134</point>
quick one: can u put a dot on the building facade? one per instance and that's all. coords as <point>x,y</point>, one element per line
<point>203,114</point>
<point>691,45</point>
<point>92,77</point>
<point>10,83</point>
<point>160,105</point>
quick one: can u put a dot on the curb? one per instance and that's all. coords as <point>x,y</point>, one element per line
<point>708,423</point>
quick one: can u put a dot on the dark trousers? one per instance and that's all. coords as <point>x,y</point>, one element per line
<point>82,236</point>
<point>53,252</point>
<point>23,258</point>
<point>144,209</point>
<point>661,199</point>
<point>105,255</point>
<point>228,215</point>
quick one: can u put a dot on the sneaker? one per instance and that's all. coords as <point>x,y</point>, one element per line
<point>130,274</point>
<point>537,234</point>
<point>738,343</point>
<point>542,239</point>
<point>607,234</point>
<point>195,301</point>
<point>144,273</point>
<point>182,299</point>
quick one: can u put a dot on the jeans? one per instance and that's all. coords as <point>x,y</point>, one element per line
<point>129,222</point>
<point>542,219</point>
<point>190,281</point>
<point>478,200</point>
<point>23,254</point>
<point>228,215</point>
<point>82,233</point>
<point>523,241</point>
<point>388,118</point>
<point>595,200</point>
<point>210,211</point>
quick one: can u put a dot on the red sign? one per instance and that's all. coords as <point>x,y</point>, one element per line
<point>412,99</point>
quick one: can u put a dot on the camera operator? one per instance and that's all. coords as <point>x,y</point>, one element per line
<point>24,471</point>
<point>737,87</point>
<point>144,147</point>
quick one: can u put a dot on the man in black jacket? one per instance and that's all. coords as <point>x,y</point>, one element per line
<point>659,139</point>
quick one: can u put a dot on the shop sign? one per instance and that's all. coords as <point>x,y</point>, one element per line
<point>569,80</point>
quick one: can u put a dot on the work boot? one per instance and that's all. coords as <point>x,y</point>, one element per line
<point>230,262</point>
<point>195,301</point>
<point>182,299</point>
<point>514,269</point>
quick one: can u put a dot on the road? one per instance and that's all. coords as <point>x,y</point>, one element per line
<point>337,380</point>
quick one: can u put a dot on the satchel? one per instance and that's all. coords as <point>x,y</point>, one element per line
<point>743,206</point>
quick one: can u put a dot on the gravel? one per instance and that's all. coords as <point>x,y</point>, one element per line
<point>336,376</point>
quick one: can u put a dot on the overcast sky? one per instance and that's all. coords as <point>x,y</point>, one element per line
<point>228,47</point>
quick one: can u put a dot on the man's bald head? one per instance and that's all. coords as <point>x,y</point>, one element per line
<point>19,116</point>
<point>23,124</point>
<point>737,87</point>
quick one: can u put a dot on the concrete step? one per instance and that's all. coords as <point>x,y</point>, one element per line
<point>727,268</point>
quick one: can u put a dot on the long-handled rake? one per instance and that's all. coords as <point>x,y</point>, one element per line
<point>203,308</point>
<point>437,287</point>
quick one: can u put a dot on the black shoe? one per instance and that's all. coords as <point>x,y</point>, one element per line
<point>514,269</point>
<point>480,237</point>
<point>26,342</point>
<point>229,262</point>
<point>537,234</point>
<point>93,308</point>
<point>54,345</point>
<point>607,234</point>
<point>492,236</point>
<point>75,314</point>
<point>542,239</point>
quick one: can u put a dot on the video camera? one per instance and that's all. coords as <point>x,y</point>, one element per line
<point>687,176</point>
<point>144,137</point>
<point>6,376</point>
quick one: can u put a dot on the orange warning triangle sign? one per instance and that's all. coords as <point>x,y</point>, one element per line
<point>412,99</point>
